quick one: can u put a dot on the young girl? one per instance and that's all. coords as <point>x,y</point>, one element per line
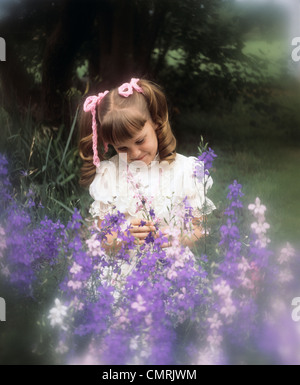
<point>133,119</point>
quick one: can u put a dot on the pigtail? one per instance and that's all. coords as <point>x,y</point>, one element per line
<point>88,169</point>
<point>158,109</point>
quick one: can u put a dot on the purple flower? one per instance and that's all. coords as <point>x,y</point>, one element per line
<point>150,238</point>
<point>235,191</point>
<point>207,157</point>
<point>152,213</point>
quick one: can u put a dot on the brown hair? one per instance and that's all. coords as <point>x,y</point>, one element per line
<point>120,119</point>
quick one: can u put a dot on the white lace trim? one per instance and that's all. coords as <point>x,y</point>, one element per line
<point>100,209</point>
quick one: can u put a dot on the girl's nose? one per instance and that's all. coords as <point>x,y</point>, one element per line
<point>135,154</point>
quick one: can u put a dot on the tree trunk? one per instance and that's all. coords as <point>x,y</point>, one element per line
<point>73,28</point>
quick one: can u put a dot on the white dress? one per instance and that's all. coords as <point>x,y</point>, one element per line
<point>121,186</point>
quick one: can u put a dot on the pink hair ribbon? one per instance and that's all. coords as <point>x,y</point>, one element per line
<point>90,105</point>
<point>126,89</point>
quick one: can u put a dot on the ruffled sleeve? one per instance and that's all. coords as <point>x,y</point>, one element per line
<point>103,189</point>
<point>196,188</point>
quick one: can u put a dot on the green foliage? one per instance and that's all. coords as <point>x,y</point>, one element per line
<point>192,47</point>
<point>42,163</point>
<point>207,60</point>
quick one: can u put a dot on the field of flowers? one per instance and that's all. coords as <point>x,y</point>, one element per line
<point>227,301</point>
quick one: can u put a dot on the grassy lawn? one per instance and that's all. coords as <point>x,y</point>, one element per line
<point>273,176</point>
<point>261,159</point>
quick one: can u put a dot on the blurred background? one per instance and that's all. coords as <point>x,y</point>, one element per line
<point>225,65</point>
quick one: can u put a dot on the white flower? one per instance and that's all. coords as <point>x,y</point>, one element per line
<point>262,242</point>
<point>57,314</point>
<point>139,305</point>
<point>286,254</point>
<point>246,282</point>
<point>75,269</point>
<point>94,246</point>
<point>134,343</point>
<point>260,228</point>
<point>285,276</point>
<point>223,289</point>
<point>215,339</point>
<point>121,318</point>
<point>244,265</point>
<point>257,208</point>
<point>171,274</point>
<point>229,309</point>
<point>75,285</point>
<point>215,323</point>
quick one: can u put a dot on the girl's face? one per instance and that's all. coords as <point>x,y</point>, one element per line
<point>142,147</point>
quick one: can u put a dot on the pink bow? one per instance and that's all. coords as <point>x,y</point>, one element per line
<point>126,89</point>
<point>90,105</point>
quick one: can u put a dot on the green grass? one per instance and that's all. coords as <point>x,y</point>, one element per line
<point>272,174</point>
<point>261,153</point>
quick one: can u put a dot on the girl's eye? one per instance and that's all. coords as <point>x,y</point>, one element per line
<point>140,141</point>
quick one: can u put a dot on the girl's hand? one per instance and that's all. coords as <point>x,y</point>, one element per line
<point>141,232</point>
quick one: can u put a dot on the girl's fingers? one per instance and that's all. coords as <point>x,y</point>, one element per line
<point>140,235</point>
<point>143,229</point>
<point>137,222</point>
<point>141,232</point>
